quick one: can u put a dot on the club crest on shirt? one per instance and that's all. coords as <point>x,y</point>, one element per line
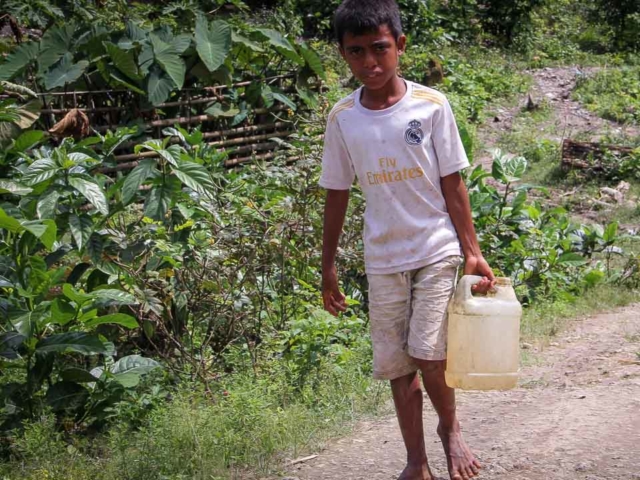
<point>414,134</point>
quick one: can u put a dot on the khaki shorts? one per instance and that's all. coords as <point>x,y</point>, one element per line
<point>408,316</point>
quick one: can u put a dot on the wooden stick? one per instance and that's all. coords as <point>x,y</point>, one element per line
<point>237,161</point>
<point>223,133</point>
<point>303,459</point>
<point>151,154</point>
<point>197,119</point>
<point>200,89</point>
<point>255,138</point>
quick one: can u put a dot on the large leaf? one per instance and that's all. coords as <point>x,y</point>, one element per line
<point>281,97</point>
<point>128,370</point>
<point>610,232</point>
<point>514,168</point>
<point>77,375</point>
<point>75,296</point>
<point>145,59</point>
<point>159,86</point>
<point>281,44</point>
<point>45,230</point>
<point>92,192</point>
<point>181,42</point>
<point>242,40</point>
<point>9,344</point>
<point>219,110</point>
<point>136,178</point>
<point>134,32</point>
<point>313,60</point>
<point>65,72</point>
<point>95,247</point>
<point>18,60</point>
<point>50,236</point>
<point>27,140</point>
<point>61,312</point>
<point>194,176</point>
<point>121,81</point>
<point>35,227</point>
<point>78,342</point>
<point>40,171</point>
<point>157,202</point>
<point>213,42</point>
<point>81,229</point>
<point>9,186</point>
<point>573,259</point>
<point>121,319</point>
<point>275,38</point>
<point>48,204</point>
<point>113,297</point>
<point>169,59</point>
<point>66,396</point>
<point>123,60</point>
<point>54,45</point>
<point>9,223</point>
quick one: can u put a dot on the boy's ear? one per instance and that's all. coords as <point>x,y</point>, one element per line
<point>402,44</point>
<point>342,52</point>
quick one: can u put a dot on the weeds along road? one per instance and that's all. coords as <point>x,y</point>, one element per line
<point>576,415</point>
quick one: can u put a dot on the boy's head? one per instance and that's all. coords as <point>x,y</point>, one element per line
<point>359,17</point>
<point>370,36</point>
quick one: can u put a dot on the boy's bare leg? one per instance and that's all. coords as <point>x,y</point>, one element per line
<point>460,461</point>
<point>407,397</point>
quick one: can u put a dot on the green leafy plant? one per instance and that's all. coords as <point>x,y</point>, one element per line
<point>155,63</point>
<point>543,250</point>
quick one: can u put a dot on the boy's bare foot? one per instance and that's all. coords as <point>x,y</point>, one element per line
<point>461,463</point>
<point>416,472</point>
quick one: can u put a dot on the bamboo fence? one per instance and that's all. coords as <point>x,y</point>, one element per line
<point>109,109</point>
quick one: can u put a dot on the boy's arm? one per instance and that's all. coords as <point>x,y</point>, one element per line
<point>335,209</point>
<point>457,198</point>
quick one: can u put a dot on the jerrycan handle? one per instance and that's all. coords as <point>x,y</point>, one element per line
<point>463,290</point>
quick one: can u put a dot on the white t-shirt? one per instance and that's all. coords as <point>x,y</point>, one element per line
<point>398,155</point>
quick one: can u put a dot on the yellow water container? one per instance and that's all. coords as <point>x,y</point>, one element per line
<point>483,350</point>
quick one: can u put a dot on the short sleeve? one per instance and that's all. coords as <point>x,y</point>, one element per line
<point>447,143</point>
<point>337,169</point>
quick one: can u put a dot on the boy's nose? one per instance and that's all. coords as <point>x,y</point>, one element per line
<point>370,60</point>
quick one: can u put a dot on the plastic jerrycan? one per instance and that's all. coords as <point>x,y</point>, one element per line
<point>483,351</point>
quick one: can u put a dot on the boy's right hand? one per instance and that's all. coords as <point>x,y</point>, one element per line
<point>333,299</point>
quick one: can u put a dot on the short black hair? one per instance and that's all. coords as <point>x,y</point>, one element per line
<point>360,17</point>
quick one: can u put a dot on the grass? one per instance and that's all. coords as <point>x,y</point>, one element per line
<point>612,93</point>
<point>543,320</point>
<point>248,432</point>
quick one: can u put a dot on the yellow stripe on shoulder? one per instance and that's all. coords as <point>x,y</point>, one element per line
<point>429,94</point>
<point>341,107</point>
<point>428,97</point>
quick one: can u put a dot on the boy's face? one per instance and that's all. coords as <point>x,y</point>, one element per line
<point>373,57</point>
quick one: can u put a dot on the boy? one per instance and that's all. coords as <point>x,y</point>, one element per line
<point>401,141</point>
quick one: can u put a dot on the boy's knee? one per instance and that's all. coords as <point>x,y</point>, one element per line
<point>430,366</point>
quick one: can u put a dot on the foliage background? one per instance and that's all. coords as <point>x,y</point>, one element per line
<point>165,322</point>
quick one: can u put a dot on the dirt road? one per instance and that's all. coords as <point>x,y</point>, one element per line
<point>576,415</point>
